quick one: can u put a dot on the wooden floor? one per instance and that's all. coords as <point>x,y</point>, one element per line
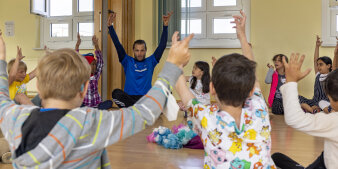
<point>134,152</point>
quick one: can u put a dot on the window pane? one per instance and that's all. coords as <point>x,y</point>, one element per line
<point>39,5</point>
<point>223,26</point>
<point>59,30</point>
<point>86,29</point>
<point>191,26</point>
<point>224,2</point>
<point>61,7</point>
<point>86,5</point>
<point>191,3</point>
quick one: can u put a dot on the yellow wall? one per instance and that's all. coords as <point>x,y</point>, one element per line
<point>27,33</point>
<point>276,27</point>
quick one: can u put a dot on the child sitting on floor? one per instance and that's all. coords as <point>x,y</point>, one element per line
<point>323,66</point>
<point>199,83</point>
<point>276,78</point>
<point>18,79</point>
<point>92,98</point>
<point>237,136</point>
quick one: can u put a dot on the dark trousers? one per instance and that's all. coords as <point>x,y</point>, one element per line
<point>284,162</point>
<point>277,106</point>
<point>122,99</point>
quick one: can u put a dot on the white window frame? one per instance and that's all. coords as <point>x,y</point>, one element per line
<point>197,15</point>
<point>68,42</point>
<point>218,40</point>
<point>329,23</point>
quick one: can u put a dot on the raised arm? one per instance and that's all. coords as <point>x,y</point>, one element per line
<point>268,77</point>
<point>15,66</point>
<point>316,55</point>
<point>2,47</point>
<point>119,48</point>
<point>335,59</point>
<point>98,54</point>
<point>240,29</point>
<point>78,42</point>
<point>32,74</point>
<point>164,37</point>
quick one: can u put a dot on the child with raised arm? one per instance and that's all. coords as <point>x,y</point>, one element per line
<point>238,135</point>
<point>63,135</point>
<point>321,124</point>
<point>92,98</point>
<point>18,79</point>
<point>322,66</point>
<point>276,78</point>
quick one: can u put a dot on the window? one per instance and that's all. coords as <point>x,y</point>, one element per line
<point>209,20</point>
<point>62,20</point>
<point>329,22</point>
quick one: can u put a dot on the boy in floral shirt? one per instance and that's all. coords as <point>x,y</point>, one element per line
<point>238,135</point>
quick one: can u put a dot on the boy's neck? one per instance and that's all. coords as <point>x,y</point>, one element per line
<point>58,104</point>
<point>235,112</point>
<point>280,71</point>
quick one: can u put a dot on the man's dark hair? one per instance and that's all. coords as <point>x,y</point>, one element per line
<point>331,85</point>
<point>140,42</point>
<point>233,77</point>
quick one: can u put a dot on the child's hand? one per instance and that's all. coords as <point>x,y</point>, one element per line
<point>179,52</point>
<point>78,42</point>
<point>269,66</point>
<point>96,42</point>
<point>318,42</point>
<point>19,53</point>
<point>214,60</point>
<point>2,47</point>
<point>166,18</point>
<point>293,68</point>
<point>111,19</point>
<point>240,24</point>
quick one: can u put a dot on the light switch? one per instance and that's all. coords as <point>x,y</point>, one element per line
<point>9,28</point>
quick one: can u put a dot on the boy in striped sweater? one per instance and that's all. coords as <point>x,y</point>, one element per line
<point>61,134</point>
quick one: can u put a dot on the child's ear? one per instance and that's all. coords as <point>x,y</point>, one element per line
<point>212,89</point>
<point>83,91</point>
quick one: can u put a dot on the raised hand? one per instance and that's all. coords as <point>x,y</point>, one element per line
<point>19,53</point>
<point>166,18</point>
<point>214,60</point>
<point>78,42</point>
<point>179,52</point>
<point>95,42</point>
<point>111,19</point>
<point>293,68</point>
<point>240,24</point>
<point>318,42</point>
<point>2,47</point>
<point>269,66</point>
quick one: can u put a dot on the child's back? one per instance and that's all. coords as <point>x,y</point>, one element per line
<point>237,136</point>
<point>226,145</point>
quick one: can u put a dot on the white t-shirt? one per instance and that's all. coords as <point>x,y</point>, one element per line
<point>203,98</point>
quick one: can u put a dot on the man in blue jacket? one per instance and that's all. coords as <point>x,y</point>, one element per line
<point>138,69</point>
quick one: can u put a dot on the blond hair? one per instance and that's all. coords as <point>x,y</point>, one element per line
<point>22,65</point>
<point>61,74</point>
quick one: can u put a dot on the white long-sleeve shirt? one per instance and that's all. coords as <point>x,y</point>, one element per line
<point>320,124</point>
